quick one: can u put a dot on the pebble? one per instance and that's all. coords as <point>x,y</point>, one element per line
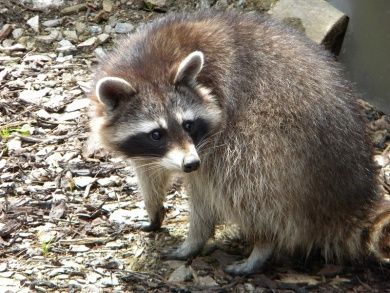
<point>63,59</point>
<point>55,103</point>
<point>122,216</point>
<point>157,3</point>
<point>206,281</point>
<point>65,46</point>
<point>95,30</point>
<point>8,284</point>
<point>70,35</point>
<point>110,181</point>
<point>33,97</point>
<point>181,274</point>
<point>109,281</point>
<point>14,144</point>
<point>37,58</point>
<point>34,23</point>
<point>3,267</point>
<point>17,33</point>
<point>77,104</point>
<point>87,43</point>
<point>14,48</point>
<point>83,181</point>
<point>69,116</point>
<point>108,29</point>
<point>7,43</point>
<point>43,114</point>
<point>102,38</point>
<point>5,31</point>
<point>107,5</point>
<point>78,248</point>
<point>3,163</point>
<point>80,27</point>
<point>123,28</point>
<point>52,22</point>
<point>47,39</point>
<point>93,277</point>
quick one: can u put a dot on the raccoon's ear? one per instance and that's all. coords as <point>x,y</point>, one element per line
<point>109,90</point>
<point>189,68</point>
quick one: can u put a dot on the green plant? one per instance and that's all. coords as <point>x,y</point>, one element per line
<point>45,246</point>
<point>6,132</point>
<point>149,6</point>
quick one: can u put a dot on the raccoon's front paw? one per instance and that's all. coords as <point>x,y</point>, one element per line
<point>149,226</point>
<point>183,252</point>
<point>242,268</point>
<point>155,223</point>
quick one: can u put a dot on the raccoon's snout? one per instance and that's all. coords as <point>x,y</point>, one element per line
<point>191,163</point>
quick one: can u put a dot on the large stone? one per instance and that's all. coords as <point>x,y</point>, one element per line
<point>321,22</point>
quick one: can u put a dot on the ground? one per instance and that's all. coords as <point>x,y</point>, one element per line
<point>67,218</point>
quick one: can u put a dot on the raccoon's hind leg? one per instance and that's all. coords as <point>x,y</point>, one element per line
<point>153,184</point>
<point>202,225</point>
<point>259,255</point>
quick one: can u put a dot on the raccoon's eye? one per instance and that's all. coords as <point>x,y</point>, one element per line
<point>155,135</point>
<point>187,125</point>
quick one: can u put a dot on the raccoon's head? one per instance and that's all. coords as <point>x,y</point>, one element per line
<point>166,122</point>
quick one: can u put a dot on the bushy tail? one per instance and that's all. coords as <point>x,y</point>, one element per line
<point>379,233</point>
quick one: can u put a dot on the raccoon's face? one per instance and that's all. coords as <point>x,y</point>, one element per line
<point>165,123</point>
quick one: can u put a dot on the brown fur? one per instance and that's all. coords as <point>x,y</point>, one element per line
<point>290,161</point>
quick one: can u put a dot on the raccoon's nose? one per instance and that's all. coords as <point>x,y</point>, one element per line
<point>190,163</point>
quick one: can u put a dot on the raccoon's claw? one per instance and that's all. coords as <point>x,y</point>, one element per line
<point>149,227</point>
<point>180,253</point>
<point>242,268</point>
<point>155,223</point>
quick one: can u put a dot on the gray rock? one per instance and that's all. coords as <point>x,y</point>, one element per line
<point>37,58</point>
<point>69,116</point>
<point>17,33</point>
<point>43,114</point>
<point>123,28</point>
<point>157,3</point>
<point>48,39</point>
<point>78,248</point>
<point>70,35</point>
<point>62,59</point>
<point>322,23</point>
<point>181,274</point>
<point>102,38</point>
<point>95,29</point>
<point>34,23</point>
<point>66,46</point>
<point>83,181</point>
<point>3,267</point>
<point>14,48</point>
<point>87,43</point>
<point>80,27</point>
<point>14,144</point>
<point>108,29</point>
<point>55,103</point>
<point>7,43</point>
<point>52,22</point>
<point>207,281</point>
<point>77,104</point>
<point>110,181</point>
<point>33,97</point>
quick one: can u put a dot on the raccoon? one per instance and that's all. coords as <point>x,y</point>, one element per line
<point>261,124</point>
